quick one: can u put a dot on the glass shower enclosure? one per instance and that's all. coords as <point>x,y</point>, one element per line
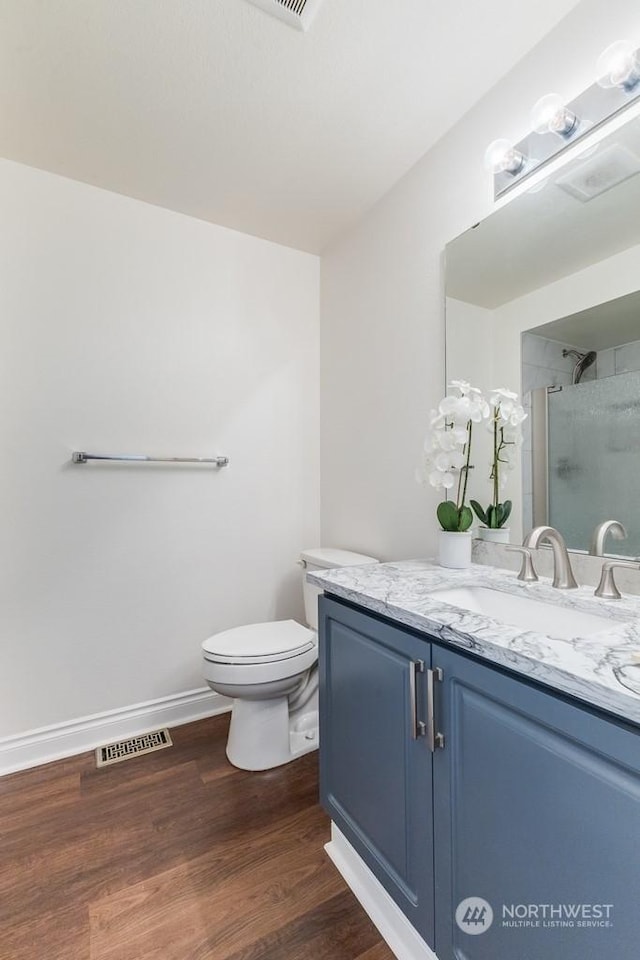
<point>586,459</point>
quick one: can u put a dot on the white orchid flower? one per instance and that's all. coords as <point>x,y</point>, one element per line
<point>499,394</point>
<point>447,448</point>
<point>460,410</point>
<point>505,416</point>
<point>442,461</point>
<point>449,406</point>
<point>485,409</point>
<point>462,385</point>
<point>445,440</point>
<point>441,480</point>
<point>507,412</point>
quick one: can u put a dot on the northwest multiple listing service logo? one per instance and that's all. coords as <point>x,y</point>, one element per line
<point>475,916</point>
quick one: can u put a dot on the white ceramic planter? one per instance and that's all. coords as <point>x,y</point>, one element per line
<point>454,549</point>
<point>495,535</point>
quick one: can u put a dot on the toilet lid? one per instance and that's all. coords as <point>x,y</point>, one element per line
<point>259,643</point>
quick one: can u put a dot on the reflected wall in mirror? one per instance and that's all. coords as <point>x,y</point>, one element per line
<point>543,297</point>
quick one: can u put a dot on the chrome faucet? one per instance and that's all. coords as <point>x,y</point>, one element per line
<point>562,573</point>
<point>614,527</point>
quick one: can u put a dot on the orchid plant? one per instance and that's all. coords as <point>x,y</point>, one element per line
<point>447,452</point>
<point>505,422</point>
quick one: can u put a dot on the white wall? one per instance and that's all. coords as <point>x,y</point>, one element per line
<point>128,328</point>
<point>382,352</point>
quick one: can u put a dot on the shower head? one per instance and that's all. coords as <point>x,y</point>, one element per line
<point>584,361</point>
<point>587,361</point>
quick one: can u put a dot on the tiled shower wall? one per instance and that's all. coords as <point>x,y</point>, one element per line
<point>624,359</point>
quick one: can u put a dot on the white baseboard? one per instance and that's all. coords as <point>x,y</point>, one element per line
<point>77,736</point>
<point>401,938</point>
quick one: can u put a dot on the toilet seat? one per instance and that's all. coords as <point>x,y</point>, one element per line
<point>258,643</point>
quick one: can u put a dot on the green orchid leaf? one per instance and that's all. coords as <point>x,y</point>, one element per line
<point>479,512</point>
<point>507,507</point>
<point>447,514</point>
<point>465,519</point>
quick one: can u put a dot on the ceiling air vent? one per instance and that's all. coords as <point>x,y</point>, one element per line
<point>297,13</point>
<point>600,173</point>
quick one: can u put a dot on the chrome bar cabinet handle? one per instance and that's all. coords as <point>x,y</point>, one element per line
<point>435,740</point>
<point>418,728</point>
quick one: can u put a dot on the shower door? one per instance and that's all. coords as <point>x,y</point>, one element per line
<point>593,459</point>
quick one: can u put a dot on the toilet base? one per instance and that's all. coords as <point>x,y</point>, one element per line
<point>263,734</point>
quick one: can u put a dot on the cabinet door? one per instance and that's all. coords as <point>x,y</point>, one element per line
<point>537,812</point>
<point>375,775</point>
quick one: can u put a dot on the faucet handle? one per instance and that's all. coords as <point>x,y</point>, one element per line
<point>527,570</point>
<point>607,588</point>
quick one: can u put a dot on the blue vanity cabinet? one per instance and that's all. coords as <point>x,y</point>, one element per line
<point>375,768</point>
<point>536,802</point>
<point>528,807</point>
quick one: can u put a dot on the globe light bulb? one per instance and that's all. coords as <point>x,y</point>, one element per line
<point>550,115</point>
<point>502,157</point>
<point>618,66</point>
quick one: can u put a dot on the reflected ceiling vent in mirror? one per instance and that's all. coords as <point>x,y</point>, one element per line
<point>602,172</point>
<point>297,13</point>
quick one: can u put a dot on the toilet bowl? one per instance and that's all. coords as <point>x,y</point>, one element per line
<point>270,672</point>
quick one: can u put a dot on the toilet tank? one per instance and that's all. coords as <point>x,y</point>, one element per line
<point>324,558</point>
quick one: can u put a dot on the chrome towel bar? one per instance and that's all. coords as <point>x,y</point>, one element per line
<point>80,456</point>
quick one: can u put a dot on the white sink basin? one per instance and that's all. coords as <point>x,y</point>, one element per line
<point>545,618</point>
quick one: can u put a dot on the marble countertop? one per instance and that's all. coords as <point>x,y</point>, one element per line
<point>602,669</point>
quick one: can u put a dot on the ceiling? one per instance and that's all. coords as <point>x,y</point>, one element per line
<point>217,110</point>
<point>598,328</point>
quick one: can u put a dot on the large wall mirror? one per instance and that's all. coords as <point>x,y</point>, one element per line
<point>543,297</point>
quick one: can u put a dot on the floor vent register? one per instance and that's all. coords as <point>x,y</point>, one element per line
<point>133,747</point>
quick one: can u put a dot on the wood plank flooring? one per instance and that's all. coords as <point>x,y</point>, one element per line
<point>173,856</point>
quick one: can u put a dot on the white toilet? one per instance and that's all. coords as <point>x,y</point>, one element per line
<point>270,671</point>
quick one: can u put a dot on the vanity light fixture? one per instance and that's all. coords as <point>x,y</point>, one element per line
<point>502,157</point>
<point>551,115</point>
<point>557,125</point>
<point>618,66</point>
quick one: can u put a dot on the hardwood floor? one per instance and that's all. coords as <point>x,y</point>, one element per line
<point>173,856</point>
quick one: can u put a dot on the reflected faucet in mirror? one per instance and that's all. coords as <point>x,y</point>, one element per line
<point>613,527</point>
<point>563,577</point>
